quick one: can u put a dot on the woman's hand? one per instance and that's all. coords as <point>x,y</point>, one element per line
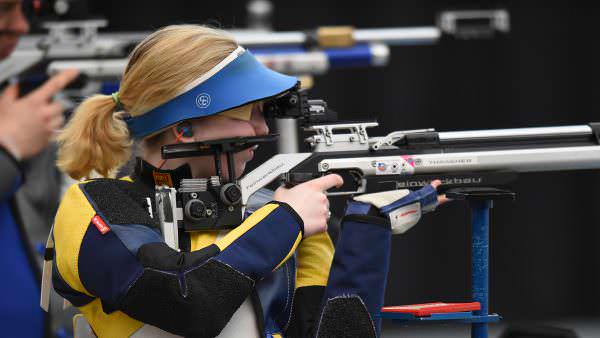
<point>441,198</point>
<point>403,207</point>
<point>310,202</point>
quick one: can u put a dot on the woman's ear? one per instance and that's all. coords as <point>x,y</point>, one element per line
<point>183,132</point>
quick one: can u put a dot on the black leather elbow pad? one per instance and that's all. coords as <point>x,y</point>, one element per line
<point>345,317</point>
<point>182,298</point>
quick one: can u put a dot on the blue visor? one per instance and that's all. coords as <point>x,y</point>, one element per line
<point>242,81</point>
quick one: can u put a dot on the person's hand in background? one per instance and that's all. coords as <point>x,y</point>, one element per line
<point>28,124</point>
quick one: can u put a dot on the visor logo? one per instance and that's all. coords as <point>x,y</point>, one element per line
<point>203,100</point>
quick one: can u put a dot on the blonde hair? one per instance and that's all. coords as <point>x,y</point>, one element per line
<point>96,138</point>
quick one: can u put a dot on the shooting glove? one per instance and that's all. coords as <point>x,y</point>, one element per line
<point>403,207</point>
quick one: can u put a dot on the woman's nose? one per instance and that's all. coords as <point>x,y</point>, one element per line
<point>259,124</point>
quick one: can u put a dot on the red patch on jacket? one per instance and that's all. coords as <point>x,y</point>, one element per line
<point>100,225</point>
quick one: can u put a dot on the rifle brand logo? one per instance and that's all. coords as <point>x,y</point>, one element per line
<point>381,166</point>
<point>203,100</point>
<point>267,174</point>
<point>445,181</point>
<point>448,161</point>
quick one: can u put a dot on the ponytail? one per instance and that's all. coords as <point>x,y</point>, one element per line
<point>95,139</point>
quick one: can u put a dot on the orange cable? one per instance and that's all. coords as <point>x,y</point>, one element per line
<point>177,140</point>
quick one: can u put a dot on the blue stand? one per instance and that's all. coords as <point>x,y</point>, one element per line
<point>480,220</point>
<point>480,202</point>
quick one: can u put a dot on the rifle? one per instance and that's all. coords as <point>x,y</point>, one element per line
<point>406,159</point>
<point>411,159</point>
<point>80,44</point>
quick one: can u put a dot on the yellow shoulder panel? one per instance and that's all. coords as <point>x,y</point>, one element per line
<point>201,239</point>
<point>315,255</point>
<point>117,324</point>
<point>72,220</point>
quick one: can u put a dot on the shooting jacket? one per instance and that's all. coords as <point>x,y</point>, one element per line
<point>112,263</point>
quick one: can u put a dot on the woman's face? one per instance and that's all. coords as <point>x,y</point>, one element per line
<point>220,127</point>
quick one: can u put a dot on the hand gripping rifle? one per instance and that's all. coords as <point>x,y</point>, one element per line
<point>400,160</point>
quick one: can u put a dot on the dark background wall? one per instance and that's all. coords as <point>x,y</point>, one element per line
<point>545,255</point>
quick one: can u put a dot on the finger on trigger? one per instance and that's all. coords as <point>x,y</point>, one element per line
<point>326,182</point>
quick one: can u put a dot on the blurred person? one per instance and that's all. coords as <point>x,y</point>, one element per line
<point>27,125</point>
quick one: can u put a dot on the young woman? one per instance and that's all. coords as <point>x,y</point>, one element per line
<point>274,275</point>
